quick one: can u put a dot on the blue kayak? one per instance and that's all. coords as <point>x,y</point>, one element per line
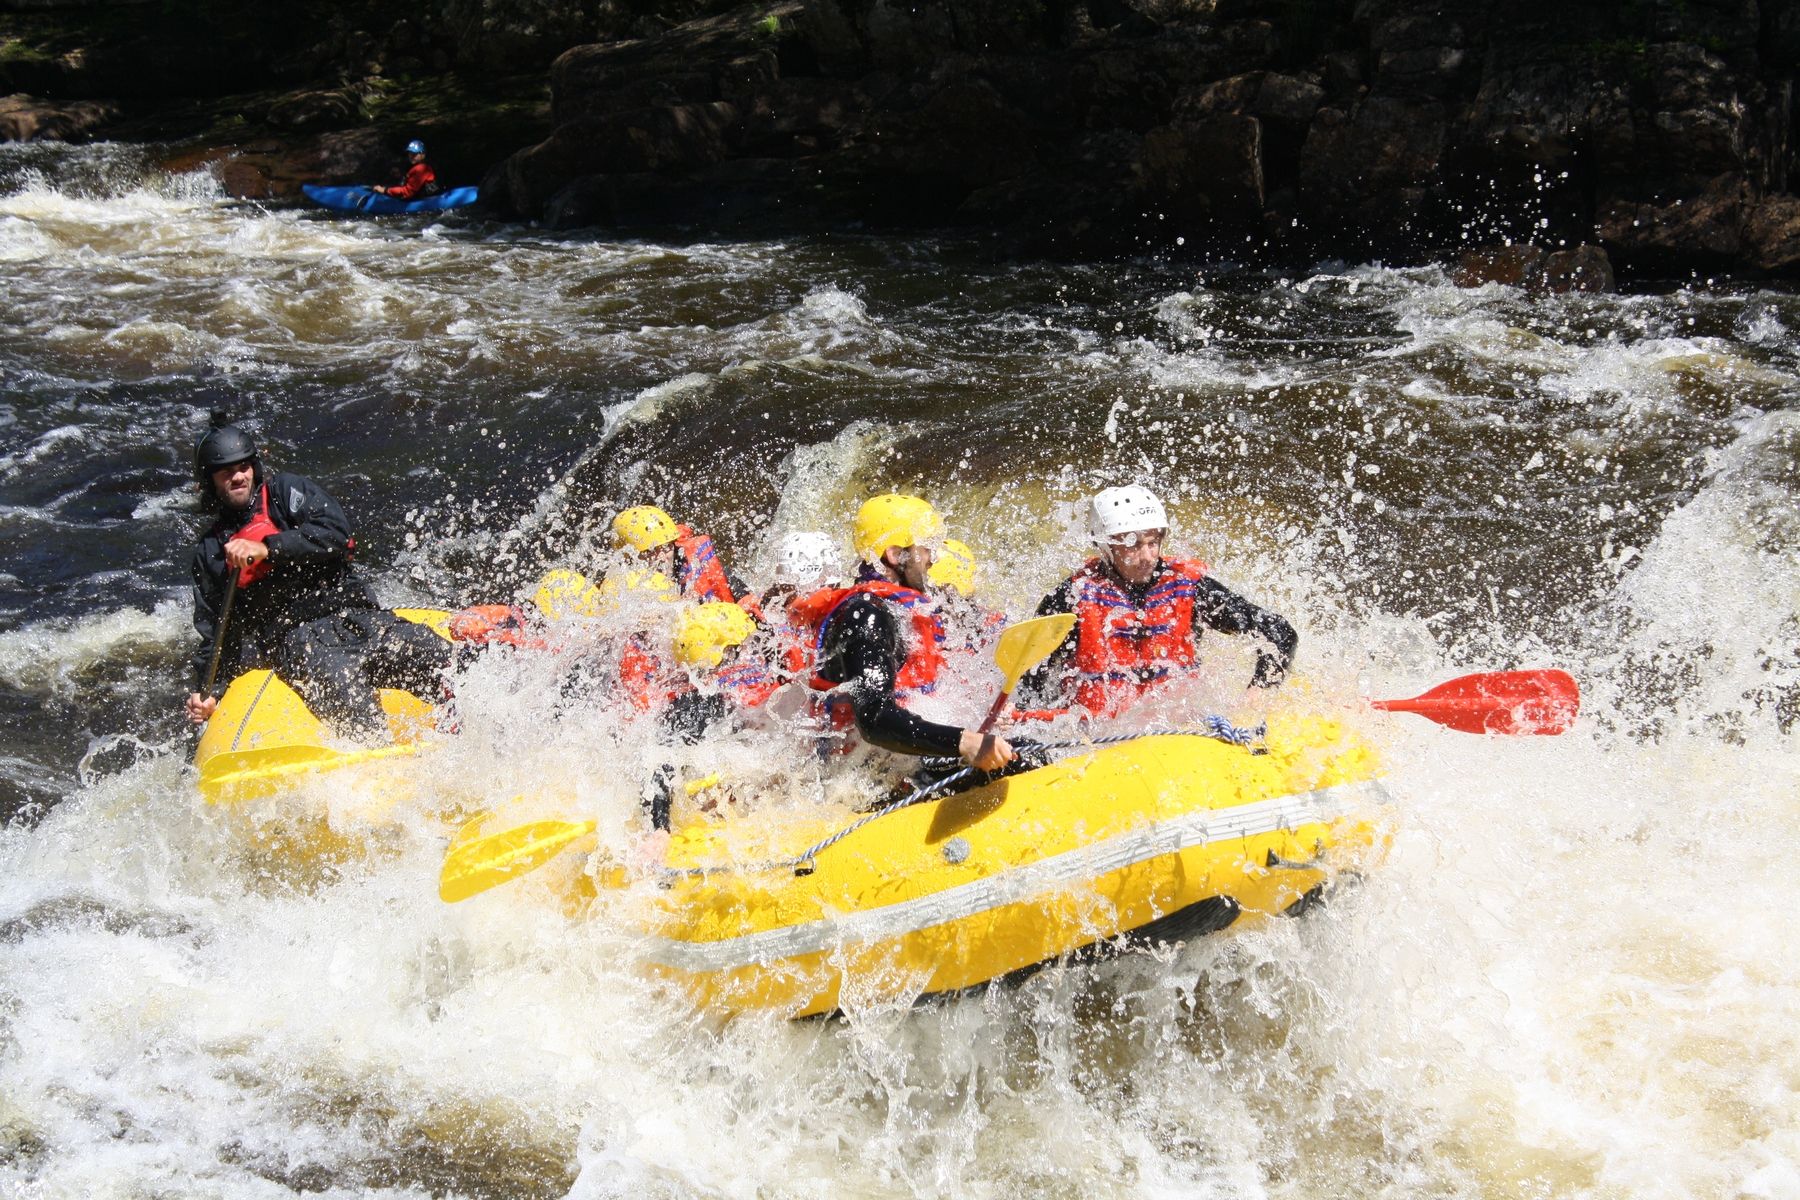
<point>362,200</point>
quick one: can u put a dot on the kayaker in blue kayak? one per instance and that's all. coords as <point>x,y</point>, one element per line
<point>420,181</point>
<point>1140,616</point>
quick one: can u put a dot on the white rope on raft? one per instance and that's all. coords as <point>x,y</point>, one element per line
<point>802,863</point>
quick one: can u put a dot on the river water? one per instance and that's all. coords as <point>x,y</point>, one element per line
<point>1571,978</point>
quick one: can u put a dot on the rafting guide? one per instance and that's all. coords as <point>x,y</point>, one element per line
<point>274,588</point>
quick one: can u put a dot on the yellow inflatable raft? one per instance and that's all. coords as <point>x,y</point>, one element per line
<point>1161,837</point>
<point>262,739</point>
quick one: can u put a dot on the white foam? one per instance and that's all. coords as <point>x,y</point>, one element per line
<point>47,658</point>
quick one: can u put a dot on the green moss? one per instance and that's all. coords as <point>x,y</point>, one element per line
<point>14,51</point>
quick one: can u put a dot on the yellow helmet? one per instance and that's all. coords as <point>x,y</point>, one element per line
<point>636,585</point>
<point>644,528</point>
<point>562,594</point>
<point>703,633</point>
<point>894,520</point>
<point>954,566</point>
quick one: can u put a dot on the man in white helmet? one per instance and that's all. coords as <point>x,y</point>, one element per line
<point>804,563</point>
<point>1139,616</point>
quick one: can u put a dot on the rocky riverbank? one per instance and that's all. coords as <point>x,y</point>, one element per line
<point>1658,133</point>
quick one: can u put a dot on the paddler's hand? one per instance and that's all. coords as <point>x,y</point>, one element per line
<point>985,751</point>
<point>241,552</point>
<point>200,708</point>
<point>650,851</point>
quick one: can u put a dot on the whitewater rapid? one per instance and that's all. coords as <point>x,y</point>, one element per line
<point>1571,978</point>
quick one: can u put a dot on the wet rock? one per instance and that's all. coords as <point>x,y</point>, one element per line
<point>1206,168</point>
<point>1370,126</point>
<point>1772,234</point>
<point>25,119</point>
<point>1371,169</point>
<point>1343,74</point>
<point>308,110</point>
<point>1694,129</point>
<point>274,169</point>
<point>673,137</point>
<point>1234,95</point>
<point>1535,112</point>
<point>1699,230</point>
<point>1586,268</point>
<point>1519,266</point>
<point>1421,54</point>
<point>1288,101</point>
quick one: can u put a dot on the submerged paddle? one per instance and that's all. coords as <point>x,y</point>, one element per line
<point>1505,702</point>
<point>476,862</point>
<point>1022,647</point>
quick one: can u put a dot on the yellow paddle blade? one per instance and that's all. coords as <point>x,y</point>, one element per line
<point>1025,645</point>
<point>476,861</point>
<point>247,775</point>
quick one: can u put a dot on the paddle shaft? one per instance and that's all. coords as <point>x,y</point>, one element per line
<point>999,707</point>
<point>212,668</point>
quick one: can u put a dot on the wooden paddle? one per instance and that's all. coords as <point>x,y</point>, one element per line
<point>212,668</point>
<point>1505,702</point>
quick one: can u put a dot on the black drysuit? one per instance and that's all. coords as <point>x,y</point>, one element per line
<point>863,650</point>
<point>310,619</point>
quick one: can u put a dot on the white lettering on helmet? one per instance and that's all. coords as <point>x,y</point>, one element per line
<point>1122,510</point>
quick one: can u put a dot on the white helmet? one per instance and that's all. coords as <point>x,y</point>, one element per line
<point>804,559</point>
<point>1121,510</point>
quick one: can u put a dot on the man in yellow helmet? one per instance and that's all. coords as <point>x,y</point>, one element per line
<point>677,551</point>
<point>879,642</point>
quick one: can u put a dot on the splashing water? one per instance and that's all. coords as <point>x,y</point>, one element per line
<point>1570,978</point>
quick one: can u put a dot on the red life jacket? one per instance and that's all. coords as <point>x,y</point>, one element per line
<point>256,529</point>
<point>494,624</point>
<point>646,685</point>
<point>795,655</point>
<point>419,178</point>
<point>747,683</point>
<point>700,574</point>
<point>924,647</point>
<point>1123,651</point>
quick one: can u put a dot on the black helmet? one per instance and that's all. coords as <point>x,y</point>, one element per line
<point>222,445</point>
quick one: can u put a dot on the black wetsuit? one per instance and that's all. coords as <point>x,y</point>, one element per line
<point>863,650</point>
<point>1216,607</point>
<point>310,619</point>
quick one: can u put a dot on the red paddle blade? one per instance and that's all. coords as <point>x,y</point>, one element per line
<point>1506,702</point>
